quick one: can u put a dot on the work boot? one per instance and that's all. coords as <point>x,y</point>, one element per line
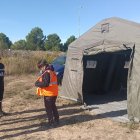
<point>2,113</point>
<point>50,122</point>
<point>56,121</point>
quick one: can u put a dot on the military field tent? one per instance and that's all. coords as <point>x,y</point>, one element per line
<point>105,58</point>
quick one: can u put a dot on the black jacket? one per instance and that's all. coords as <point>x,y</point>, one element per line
<point>45,81</point>
<point>1,76</point>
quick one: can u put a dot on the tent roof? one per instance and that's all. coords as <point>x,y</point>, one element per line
<point>111,30</point>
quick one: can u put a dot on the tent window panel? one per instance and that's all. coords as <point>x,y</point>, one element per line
<point>126,65</point>
<point>91,64</point>
<point>75,59</point>
<point>74,70</point>
<point>105,28</point>
<point>74,64</point>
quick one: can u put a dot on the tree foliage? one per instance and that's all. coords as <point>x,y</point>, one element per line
<point>5,43</point>
<point>66,44</point>
<point>35,39</point>
<point>19,45</point>
<point>53,42</point>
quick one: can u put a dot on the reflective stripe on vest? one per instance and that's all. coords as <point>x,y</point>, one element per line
<point>52,89</point>
<point>53,83</point>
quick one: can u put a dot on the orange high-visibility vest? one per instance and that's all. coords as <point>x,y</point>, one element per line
<point>52,89</point>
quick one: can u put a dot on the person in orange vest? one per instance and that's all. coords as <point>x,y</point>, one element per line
<point>47,86</point>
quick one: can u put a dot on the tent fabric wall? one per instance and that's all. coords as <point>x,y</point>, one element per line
<point>109,35</point>
<point>72,81</point>
<point>133,93</point>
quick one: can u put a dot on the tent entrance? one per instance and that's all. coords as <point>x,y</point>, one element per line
<point>105,76</point>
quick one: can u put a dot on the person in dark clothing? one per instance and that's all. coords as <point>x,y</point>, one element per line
<point>47,87</point>
<point>1,87</point>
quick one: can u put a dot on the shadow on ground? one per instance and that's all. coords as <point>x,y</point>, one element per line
<point>77,116</point>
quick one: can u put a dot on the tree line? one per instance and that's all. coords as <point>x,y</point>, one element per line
<point>36,40</point>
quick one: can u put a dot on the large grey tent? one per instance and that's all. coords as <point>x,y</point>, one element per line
<point>105,58</point>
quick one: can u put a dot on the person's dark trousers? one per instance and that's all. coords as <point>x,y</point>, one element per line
<point>0,106</point>
<point>1,98</point>
<point>51,109</point>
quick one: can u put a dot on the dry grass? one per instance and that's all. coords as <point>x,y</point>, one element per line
<point>24,62</point>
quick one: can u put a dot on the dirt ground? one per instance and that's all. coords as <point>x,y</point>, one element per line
<point>27,119</point>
